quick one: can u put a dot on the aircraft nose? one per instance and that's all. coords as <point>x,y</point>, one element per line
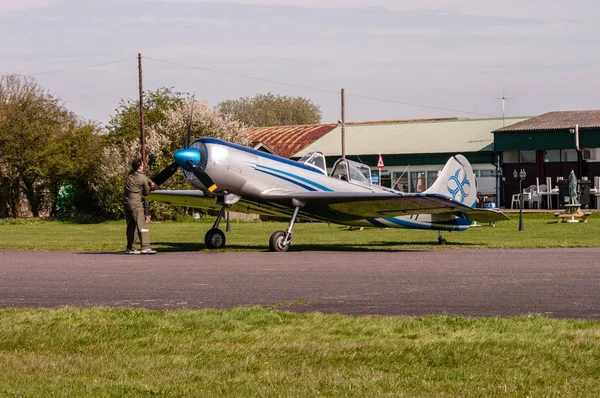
<point>182,156</point>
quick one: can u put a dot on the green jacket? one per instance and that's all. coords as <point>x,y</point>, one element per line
<point>136,185</point>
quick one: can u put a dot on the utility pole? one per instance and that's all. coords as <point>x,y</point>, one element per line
<point>343,123</point>
<point>142,136</point>
<point>504,99</point>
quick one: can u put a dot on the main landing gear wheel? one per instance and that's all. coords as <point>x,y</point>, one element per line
<point>214,239</point>
<point>441,240</point>
<point>277,242</point>
<point>280,240</point>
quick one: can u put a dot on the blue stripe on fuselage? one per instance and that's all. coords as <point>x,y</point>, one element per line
<point>457,222</point>
<point>208,140</point>
<point>314,184</point>
<point>288,179</point>
<point>376,223</point>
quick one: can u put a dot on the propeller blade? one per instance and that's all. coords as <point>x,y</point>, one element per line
<point>202,176</point>
<point>189,128</point>
<point>165,173</point>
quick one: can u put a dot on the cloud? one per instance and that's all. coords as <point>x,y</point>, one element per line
<point>23,5</point>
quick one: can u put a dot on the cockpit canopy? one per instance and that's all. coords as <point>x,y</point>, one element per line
<point>352,171</point>
<point>315,159</point>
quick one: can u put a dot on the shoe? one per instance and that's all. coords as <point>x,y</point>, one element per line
<point>148,251</point>
<point>132,251</point>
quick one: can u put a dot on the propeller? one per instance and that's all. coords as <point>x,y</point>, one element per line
<point>201,176</point>
<point>165,174</point>
<point>188,159</point>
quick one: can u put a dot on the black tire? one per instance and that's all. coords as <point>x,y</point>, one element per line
<point>276,242</point>
<point>214,239</point>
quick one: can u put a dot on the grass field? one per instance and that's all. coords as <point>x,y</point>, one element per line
<point>258,352</point>
<point>263,352</point>
<point>541,230</point>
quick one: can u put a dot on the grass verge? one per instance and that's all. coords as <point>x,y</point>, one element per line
<point>541,230</point>
<point>253,351</point>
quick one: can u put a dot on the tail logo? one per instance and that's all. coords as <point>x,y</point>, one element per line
<point>459,186</point>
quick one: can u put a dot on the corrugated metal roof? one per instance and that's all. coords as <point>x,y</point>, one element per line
<point>412,137</point>
<point>287,140</point>
<point>557,121</point>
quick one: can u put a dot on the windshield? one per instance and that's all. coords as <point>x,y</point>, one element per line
<point>354,172</point>
<point>316,159</point>
<point>359,173</point>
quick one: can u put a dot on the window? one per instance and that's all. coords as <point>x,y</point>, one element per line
<point>417,181</point>
<point>386,178</point>
<point>431,177</point>
<point>552,155</point>
<point>568,155</point>
<point>511,157</point>
<point>400,181</point>
<point>527,156</point>
<point>487,173</point>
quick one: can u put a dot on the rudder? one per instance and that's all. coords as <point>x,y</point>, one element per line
<point>456,181</point>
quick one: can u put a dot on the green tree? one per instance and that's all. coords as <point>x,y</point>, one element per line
<point>124,125</point>
<point>264,110</point>
<point>165,133</point>
<point>40,143</point>
<point>73,169</point>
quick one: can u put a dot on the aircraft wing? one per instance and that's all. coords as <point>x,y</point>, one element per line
<point>353,205</point>
<point>342,206</point>
<point>189,198</point>
<point>197,199</point>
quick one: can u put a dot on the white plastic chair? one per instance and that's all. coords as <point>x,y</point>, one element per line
<point>528,196</point>
<point>539,195</point>
<point>597,191</point>
<point>515,199</point>
<point>536,197</point>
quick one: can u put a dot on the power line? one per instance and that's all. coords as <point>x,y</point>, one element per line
<point>267,81</point>
<point>82,67</point>
<point>316,89</point>
<point>243,76</point>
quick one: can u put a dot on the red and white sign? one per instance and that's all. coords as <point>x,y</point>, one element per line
<point>380,164</point>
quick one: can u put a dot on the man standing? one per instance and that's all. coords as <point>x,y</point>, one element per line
<point>136,185</point>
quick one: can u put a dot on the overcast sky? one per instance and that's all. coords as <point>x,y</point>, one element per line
<point>452,58</point>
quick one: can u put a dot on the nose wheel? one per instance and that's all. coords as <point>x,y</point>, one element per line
<point>215,238</point>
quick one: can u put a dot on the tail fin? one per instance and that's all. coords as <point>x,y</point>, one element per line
<point>457,182</point>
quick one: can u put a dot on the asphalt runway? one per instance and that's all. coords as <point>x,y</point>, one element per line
<point>560,283</point>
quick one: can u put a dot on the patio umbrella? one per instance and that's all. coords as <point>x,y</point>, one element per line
<point>573,189</point>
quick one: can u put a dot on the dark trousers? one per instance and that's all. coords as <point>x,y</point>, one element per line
<point>136,227</point>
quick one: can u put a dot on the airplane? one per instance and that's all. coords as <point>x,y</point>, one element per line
<point>228,176</point>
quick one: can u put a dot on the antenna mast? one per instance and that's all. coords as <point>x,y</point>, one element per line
<point>504,99</point>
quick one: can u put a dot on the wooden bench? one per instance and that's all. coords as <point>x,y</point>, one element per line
<point>572,213</point>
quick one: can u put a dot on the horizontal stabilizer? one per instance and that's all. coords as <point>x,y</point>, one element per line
<point>484,215</point>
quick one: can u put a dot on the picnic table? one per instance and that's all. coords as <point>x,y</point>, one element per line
<point>572,212</point>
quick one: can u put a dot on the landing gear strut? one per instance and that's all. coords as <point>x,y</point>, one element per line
<point>215,238</point>
<point>280,240</point>
<point>441,239</point>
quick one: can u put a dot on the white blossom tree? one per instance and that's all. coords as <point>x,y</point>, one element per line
<point>163,138</point>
